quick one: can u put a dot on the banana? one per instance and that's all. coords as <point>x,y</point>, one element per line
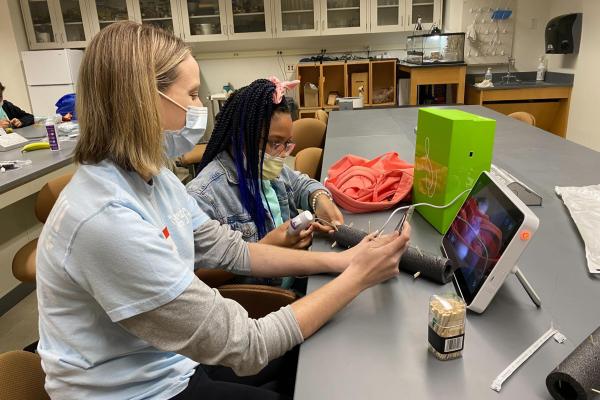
<point>35,146</point>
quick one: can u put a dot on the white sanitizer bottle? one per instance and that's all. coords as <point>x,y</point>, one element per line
<point>541,70</point>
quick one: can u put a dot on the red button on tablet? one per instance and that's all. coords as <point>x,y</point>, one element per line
<point>525,235</point>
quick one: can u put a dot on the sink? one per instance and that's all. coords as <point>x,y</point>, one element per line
<point>520,83</point>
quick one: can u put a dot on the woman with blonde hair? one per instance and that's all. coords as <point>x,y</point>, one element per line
<point>121,313</point>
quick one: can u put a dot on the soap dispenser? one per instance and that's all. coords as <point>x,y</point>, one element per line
<point>541,70</point>
<point>488,75</point>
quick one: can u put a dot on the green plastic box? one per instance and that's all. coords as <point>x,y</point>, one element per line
<point>453,148</point>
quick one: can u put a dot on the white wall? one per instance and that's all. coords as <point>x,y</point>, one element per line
<point>242,62</point>
<point>531,17</point>
<point>12,41</point>
<point>583,123</point>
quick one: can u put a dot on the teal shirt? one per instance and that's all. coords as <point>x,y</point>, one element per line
<point>3,114</point>
<point>270,201</point>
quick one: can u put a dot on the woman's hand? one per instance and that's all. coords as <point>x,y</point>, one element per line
<point>16,122</point>
<point>368,242</point>
<point>378,261</point>
<point>4,123</point>
<point>328,211</point>
<point>282,238</point>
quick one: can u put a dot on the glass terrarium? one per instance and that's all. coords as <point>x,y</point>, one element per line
<point>443,48</point>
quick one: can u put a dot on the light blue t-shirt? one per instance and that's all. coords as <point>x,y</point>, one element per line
<point>113,247</point>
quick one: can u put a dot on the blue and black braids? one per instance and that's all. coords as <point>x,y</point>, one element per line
<point>242,127</point>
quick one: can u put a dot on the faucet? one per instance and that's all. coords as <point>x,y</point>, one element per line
<point>509,76</point>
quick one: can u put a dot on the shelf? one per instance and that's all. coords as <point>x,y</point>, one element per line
<point>73,23</point>
<point>249,14</point>
<point>384,7</point>
<point>43,24</point>
<point>423,4</point>
<point>204,16</point>
<point>157,19</point>
<point>343,9</point>
<point>297,11</point>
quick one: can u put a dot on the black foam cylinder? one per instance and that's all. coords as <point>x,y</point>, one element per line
<point>430,266</point>
<point>579,373</point>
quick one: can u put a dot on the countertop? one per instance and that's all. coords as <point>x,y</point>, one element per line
<point>553,79</point>
<point>376,347</point>
<point>431,65</point>
<point>43,161</point>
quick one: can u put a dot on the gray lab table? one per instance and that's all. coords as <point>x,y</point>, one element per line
<point>19,183</point>
<point>377,346</point>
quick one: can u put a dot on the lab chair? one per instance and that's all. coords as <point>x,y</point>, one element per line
<point>322,116</point>
<point>21,376</point>
<point>308,132</point>
<point>309,162</point>
<point>191,159</point>
<point>23,265</point>
<point>523,117</point>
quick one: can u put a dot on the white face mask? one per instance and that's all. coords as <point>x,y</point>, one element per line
<point>180,142</point>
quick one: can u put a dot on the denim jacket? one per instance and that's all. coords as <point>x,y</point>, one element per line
<point>217,193</point>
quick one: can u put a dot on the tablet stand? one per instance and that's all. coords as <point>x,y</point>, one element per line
<point>527,286</point>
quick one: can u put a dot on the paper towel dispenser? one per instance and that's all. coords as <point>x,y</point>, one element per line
<point>563,34</point>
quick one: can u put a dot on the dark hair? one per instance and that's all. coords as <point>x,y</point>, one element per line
<point>1,89</point>
<point>243,126</point>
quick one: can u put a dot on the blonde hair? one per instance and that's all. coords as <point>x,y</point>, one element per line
<point>123,68</point>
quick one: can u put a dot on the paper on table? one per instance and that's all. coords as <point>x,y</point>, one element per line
<point>584,205</point>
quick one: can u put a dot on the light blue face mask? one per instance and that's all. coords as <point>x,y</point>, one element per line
<point>180,142</point>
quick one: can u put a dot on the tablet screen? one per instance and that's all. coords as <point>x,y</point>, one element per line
<point>476,240</point>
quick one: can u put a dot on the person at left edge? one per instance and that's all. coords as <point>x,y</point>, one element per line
<point>12,116</point>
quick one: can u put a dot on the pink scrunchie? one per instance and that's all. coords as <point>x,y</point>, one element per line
<point>281,87</point>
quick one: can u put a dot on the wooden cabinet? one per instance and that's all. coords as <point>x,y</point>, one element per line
<point>549,105</point>
<point>321,84</point>
<point>297,18</point>
<point>382,83</point>
<point>54,24</point>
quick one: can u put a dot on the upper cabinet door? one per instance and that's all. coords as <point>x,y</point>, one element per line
<point>343,16</point>
<point>388,15</point>
<point>76,29</point>
<point>297,18</point>
<point>249,19</point>
<point>430,12</point>
<point>161,13</point>
<point>204,20</point>
<point>42,30</point>
<point>106,12</point>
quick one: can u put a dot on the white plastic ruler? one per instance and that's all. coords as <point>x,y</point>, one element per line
<point>504,375</point>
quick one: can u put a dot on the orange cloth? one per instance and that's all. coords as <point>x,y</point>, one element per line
<point>360,185</point>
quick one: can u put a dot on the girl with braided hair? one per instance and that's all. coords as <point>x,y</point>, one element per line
<point>243,181</point>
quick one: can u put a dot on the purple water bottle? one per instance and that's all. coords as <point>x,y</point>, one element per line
<point>52,136</point>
